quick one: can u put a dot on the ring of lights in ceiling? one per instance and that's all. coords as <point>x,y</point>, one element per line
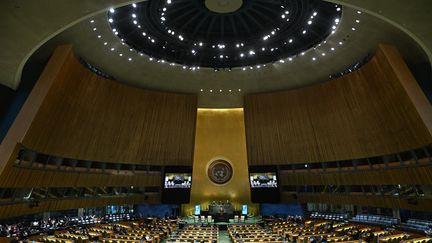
<point>185,32</point>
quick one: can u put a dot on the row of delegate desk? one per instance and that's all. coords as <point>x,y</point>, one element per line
<point>250,233</point>
<point>123,232</point>
<point>327,231</point>
<point>196,233</point>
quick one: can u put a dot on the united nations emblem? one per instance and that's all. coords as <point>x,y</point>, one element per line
<point>220,171</point>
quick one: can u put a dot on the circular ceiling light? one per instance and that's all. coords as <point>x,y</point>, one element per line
<point>223,6</point>
<point>185,32</point>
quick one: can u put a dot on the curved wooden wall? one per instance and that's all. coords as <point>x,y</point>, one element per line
<point>74,113</point>
<point>421,175</point>
<point>85,116</point>
<point>418,204</point>
<point>19,209</point>
<point>376,110</point>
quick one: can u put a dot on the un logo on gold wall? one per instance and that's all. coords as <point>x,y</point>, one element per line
<point>220,171</point>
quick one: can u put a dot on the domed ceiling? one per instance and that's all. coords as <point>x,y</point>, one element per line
<point>221,50</point>
<point>224,34</point>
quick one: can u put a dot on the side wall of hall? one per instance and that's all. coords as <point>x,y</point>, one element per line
<point>72,113</point>
<point>376,110</point>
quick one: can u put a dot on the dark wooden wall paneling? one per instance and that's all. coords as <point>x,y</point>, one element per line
<point>15,177</point>
<point>73,113</point>
<point>417,204</point>
<point>85,116</point>
<point>14,210</point>
<point>362,114</point>
<point>421,175</point>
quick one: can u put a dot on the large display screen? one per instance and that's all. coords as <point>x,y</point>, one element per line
<point>178,180</point>
<point>263,180</point>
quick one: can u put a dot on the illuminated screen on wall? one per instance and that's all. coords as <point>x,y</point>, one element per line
<point>263,180</point>
<point>177,180</point>
<point>244,209</point>
<point>197,209</point>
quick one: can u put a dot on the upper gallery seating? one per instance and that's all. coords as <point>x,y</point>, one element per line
<point>329,216</point>
<point>375,219</point>
<point>417,224</point>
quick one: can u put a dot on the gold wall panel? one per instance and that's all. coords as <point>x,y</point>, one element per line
<point>220,134</point>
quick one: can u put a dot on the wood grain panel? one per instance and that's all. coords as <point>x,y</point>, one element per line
<point>362,114</point>
<point>85,116</point>
<point>19,209</point>
<point>421,175</point>
<point>61,57</point>
<point>13,177</point>
<point>373,201</point>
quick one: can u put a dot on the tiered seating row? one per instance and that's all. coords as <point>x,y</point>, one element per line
<point>251,233</point>
<point>197,233</point>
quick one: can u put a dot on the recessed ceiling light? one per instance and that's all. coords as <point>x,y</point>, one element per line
<point>112,10</point>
